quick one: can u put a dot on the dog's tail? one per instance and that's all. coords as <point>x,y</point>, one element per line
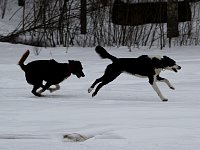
<point>22,60</point>
<point>104,54</point>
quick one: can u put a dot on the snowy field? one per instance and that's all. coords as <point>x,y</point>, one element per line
<point>125,115</point>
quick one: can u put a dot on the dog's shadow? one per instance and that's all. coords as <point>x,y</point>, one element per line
<point>55,96</point>
<point>127,99</point>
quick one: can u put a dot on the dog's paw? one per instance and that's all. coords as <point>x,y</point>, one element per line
<point>171,87</point>
<point>165,100</point>
<point>94,94</point>
<point>51,90</point>
<point>37,94</point>
<point>39,91</point>
<point>90,90</point>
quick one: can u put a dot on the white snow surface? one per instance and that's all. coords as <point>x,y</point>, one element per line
<point>125,115</point>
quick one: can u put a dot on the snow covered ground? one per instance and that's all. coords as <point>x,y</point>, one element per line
<point>126,114</point>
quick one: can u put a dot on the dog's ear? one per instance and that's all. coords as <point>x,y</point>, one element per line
<point>165,57</point>
<point>71,61</point>
<point>168,59</point>
<point>157,62</point>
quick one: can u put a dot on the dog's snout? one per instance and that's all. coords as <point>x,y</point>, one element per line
<point>80,74</point>
<point>83,75</point>
<point>179,67</point>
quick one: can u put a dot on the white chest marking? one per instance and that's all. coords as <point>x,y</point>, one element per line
<point>157,71</point>
<point>140,76</point>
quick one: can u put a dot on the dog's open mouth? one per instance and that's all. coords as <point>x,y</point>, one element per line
<point>80,75</point>
<point>176,69</point>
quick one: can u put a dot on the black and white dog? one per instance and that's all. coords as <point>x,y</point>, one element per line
<point>143,66</point>
<point>50,71</point>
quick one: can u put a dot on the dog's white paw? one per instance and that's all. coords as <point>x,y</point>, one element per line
<point>57,87</point>
<point>90,90</point>
<point>39,91</point>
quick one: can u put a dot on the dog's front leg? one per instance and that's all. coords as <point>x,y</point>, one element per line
<point>34,90</point>
<point>166,81</point>
<point>155,87</point>
<point>44,88</point>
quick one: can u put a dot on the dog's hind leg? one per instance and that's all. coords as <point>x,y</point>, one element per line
<point>110,74</point>
<point>155,87</point>
<point>166,81</point>
<point>93,85</point>
<point>98,88</point>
